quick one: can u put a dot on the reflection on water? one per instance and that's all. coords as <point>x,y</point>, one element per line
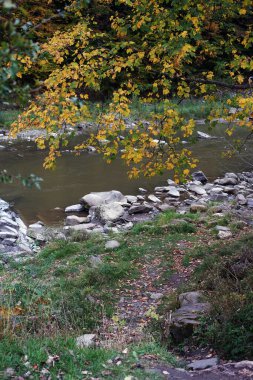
<point>76,176</point>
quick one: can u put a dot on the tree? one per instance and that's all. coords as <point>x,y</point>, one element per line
<point>153,50</point>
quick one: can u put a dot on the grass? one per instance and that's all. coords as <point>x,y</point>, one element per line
<point>59,357</point>
<point>225,274</point>
<point>60,291</point>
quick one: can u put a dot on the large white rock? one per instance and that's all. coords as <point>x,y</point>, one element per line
<point>109,212</point>
<point>197,190</point>
<point>86,340</point>
<point>103,197</point>
<point>74,208</point>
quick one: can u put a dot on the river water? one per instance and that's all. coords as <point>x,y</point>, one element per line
<point>76,176</point>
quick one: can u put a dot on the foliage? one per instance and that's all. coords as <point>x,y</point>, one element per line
<point>31,181</point>
<point>153,50</point>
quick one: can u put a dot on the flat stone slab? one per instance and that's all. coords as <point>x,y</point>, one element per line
<point>203,364</point>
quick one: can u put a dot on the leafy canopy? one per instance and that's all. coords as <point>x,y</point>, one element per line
<point>155,50</point>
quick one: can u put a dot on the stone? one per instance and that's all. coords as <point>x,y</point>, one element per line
<point>73,220</point>
<point>173,192</point>
<point>36,226</point>
<point>197,190</point>
<point>222,228</point>
<point>185,319</point>
<point>131,198</point>
<point>250,202</point>
<point>241,199</point>
<point>197,365</point>
<point>100,198</point>
<point>86,340</point>
<point>154,199</point>
<point>82,227</point>
<point>112,244</point>
<point>165,207</point>
<point>228,181</point>
<point>109,212</point>
<point>162,189</point>
<point>171,182</point>
<point>95,261</point>
<point>222,235</point>
<point>197,207</point>
<point>156,296</point>
<point>199,176</point>
<point>74,208</point>
<point>202,135</point>
<point>219,197</point>
<point>139,209</point>
<point>142,190</point>
<point>231,175</point>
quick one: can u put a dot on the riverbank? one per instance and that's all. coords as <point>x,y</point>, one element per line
<point>121,288</point>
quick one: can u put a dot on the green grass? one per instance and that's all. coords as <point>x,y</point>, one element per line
<point>74,363</point>
<point>225,274</point>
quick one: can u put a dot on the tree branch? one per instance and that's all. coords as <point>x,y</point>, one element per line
<point>218,83</point>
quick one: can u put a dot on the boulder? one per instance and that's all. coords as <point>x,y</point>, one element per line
<point>109,212</point>
<point>173,192</point>
<point>187,317</point>
<point>104,197</point>
<point>199,176</point>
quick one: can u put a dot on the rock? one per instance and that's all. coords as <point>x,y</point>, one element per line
<point>199,176</point>
<point>131,198</point>
<point>171,182</point>
<point>91,149</point>
<point>244,363</point>
<point>156,296</point>
<point>219,197</point>
<point>165,207</point>
<point>173,192</point>
<point>241,199</point>
<point>112,244</point>
<point>86,340</point>
<point>140,208</point>
<point>104,197</point>
<point>231,175</point>
<point>197,207</point>
<point>228,181</point>
<point>82,227</point>
<point>203,364</point>
<point>73,220</point>
<point>250,202</point>
<point>162,189</point>
<point>95,261</point>
<point>141,190</point>
<point>154,199</point>
<point>224,235</point>
<point>74,208</point>
<point>186,318</point>
<point>36,226</point>
<point>109,212</point>
<point>202,135</point>
<point>197,190</point>
<point>222,228</point>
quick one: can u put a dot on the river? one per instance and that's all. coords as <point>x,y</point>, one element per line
<point>76,176</point>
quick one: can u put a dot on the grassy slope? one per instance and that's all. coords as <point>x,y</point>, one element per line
<point>59,294</point>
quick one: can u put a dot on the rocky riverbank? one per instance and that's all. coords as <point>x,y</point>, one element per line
<point>111,211</point>
<point>14,241</point>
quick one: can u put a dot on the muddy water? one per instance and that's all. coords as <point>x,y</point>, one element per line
<point>76,176</point>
